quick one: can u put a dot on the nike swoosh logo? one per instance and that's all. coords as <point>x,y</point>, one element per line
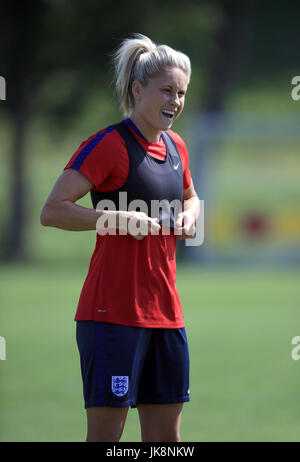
<point>176,166</point>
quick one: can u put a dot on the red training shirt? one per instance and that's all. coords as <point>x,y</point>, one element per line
<point>130,282</point>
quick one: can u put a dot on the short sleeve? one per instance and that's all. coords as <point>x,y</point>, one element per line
<point>97,156</point>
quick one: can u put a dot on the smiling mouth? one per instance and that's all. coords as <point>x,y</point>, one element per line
<point>168,114</point>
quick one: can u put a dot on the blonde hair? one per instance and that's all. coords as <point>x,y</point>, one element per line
<point>138,58</point>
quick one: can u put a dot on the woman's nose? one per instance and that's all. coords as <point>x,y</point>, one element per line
<point>175,99</point>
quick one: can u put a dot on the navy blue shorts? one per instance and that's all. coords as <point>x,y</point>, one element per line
<point>125,366</point>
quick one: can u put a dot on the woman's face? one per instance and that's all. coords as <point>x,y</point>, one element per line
<point>159,104</point>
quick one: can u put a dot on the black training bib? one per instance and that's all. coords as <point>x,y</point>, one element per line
<point>152,186</point>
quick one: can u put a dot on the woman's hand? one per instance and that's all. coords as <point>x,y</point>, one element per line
<point>139,225</point>
<point>136,224</point>
<point>186,220</point>
<point>185,225</point>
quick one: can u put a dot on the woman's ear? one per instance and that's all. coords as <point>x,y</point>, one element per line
<point>136,90</point>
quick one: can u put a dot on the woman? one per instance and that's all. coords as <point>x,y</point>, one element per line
<point>130,328</point>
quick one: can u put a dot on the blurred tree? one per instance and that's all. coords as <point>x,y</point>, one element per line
<point>20,30</point>
<point>229,41</point>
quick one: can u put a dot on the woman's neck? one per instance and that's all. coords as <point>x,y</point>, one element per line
<point>147,132</point>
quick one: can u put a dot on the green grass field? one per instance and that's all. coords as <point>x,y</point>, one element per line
<point>244,383</point>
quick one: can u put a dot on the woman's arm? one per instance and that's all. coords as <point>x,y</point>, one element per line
<point>187,218</point>
<point>60,210</point>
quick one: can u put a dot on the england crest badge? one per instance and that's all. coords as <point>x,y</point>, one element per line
<point>119,385</point>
